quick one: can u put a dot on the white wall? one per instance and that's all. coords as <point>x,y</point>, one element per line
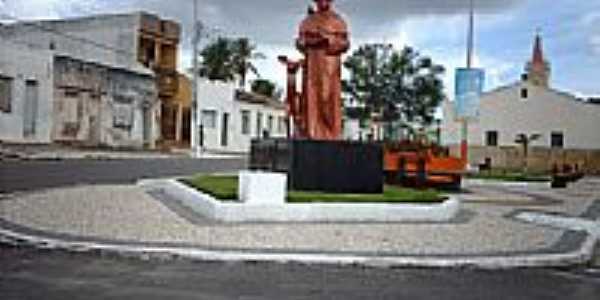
<point>543,112</point>
<point>219,97</point>
<point>116,33</point>
<point>22,63</point>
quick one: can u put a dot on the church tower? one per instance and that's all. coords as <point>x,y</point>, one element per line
<point>538,69</point>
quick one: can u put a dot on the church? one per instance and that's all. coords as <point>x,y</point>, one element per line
<point>563,128</point>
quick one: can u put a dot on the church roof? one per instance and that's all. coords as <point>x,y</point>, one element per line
<point>538,52</point>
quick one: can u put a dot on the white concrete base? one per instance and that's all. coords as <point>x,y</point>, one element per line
<point>306,212</point>
<point>262,188</point>
<point>490,182</point>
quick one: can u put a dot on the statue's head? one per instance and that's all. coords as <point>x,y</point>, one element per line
<point>323,5</point>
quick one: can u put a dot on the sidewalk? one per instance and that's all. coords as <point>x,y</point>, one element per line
<point>487,232</point>
<point>57,152</point>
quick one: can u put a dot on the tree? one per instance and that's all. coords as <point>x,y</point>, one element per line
<point>525,141</point>
<point>394,85</point>
<point>243,54</point>
<point>227,58</point>
<point>264,87</point>
<point>217,61</point>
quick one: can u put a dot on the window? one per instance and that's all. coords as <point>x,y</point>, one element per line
<point>123,115</point>
<point>209,119</point>
<point>558,140</point>
<point>524,94</point>
<point>245,122</point>
<point>270,124</point>
<point>259,121</point>
<point>5,94</point>
<point>491,138</point>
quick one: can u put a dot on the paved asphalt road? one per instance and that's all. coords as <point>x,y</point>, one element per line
<point>27,274</point>
<point>28,175</point>
<point>30,274</point>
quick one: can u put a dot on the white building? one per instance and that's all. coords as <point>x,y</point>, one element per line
<point>78,82</point>
<point>230,119</point>
<point>529,107</point>
<point>26,94</point>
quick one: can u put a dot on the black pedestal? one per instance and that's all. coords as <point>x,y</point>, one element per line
<point>326,166</point>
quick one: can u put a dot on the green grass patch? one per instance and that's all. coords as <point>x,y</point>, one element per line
<point>220,187</point>
<point>510,176</point>
<point>225,188</point>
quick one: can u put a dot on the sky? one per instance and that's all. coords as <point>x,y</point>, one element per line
<point>505,30</point>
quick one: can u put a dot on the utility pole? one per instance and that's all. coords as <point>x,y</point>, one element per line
<point>195,134</point>
<point>464,145</point>
<point>471,35</point>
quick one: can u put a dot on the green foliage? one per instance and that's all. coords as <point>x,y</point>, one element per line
<point>394,85</point>
<point>264,87</point>
<point>227,58</point>
<point>243,54</point>
<point>226,188</point>
<point>217,61</point>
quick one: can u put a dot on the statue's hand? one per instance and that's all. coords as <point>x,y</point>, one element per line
<point>314,39</point>
<point>338,45</point>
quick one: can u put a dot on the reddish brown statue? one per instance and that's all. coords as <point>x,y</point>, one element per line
<point>323,38</point>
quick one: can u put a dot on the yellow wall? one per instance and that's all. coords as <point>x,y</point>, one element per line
<point>184,92</point>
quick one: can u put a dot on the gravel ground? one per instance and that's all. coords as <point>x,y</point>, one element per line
<point>128,213</point>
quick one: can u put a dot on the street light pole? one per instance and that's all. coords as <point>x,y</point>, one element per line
<point>471,35</point>
<point>195,141</point>
<point>464,145</point>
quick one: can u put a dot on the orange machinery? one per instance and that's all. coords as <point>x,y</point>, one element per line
<point>422,166</point>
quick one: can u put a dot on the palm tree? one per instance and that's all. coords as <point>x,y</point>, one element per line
<point>243,52</point>
<point>217,61</point>
<point>525,141</point>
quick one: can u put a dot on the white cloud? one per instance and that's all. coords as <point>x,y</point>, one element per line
<point>46,9</point>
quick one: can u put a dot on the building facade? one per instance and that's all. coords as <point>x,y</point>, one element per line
<point>177,115</point>
<point>100,106</point>
<point>136,42</point>
<point>26,97</point>
<point>230,119</point>
<point>565,126</point>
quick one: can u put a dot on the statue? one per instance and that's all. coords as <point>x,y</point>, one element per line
<point>323,38</point>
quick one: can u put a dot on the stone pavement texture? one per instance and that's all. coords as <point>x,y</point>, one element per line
<point>129,214</point>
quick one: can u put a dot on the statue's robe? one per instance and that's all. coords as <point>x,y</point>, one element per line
<point>323,39</point>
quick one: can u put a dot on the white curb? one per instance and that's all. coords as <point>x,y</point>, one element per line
<point>208,206</point>
<point>578,257</point>
<point>489,182</point>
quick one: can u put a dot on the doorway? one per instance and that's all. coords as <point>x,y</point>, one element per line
<point>31,108</point>
<point>225,130</point>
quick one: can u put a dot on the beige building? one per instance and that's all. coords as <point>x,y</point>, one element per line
<point>567,126</point>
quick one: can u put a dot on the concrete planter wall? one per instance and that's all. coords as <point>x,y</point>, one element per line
<point>306,212</point>
<point>490,182</point>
